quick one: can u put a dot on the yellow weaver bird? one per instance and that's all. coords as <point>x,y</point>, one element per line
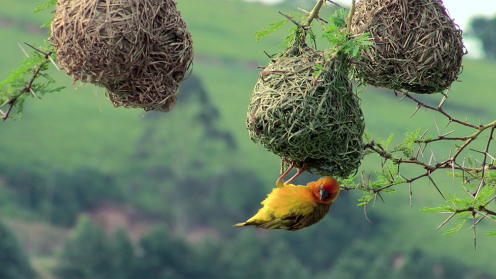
<point>293,207</point>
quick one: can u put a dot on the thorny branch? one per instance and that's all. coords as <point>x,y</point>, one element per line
<point>28,87</point>
<point>468,173</point>
<point>313,14</point>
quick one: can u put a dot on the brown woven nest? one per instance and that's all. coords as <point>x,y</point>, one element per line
<point>417,46</point>
<point>139,50</point>
<point>306,116</point>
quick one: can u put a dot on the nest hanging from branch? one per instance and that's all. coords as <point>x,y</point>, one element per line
<point>307,117</point>
<point>417,46</point>
<point>139,50</point>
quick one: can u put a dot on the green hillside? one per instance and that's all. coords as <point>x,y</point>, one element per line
<point>150,157</point>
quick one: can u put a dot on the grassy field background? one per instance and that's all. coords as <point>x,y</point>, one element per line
<point>80,128</point>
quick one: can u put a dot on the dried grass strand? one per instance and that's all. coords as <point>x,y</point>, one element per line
<point>308,118</point>
<point>417,46</point>
<point>139,50</point>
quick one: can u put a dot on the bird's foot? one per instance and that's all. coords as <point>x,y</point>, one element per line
<point>300,171</point>
<point>290,167</point>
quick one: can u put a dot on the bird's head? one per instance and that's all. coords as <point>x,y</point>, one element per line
<point>326,189</point>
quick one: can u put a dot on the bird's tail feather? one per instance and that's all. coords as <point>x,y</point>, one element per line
<point>240,224</point>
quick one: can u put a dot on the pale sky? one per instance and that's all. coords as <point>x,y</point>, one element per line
<point>460,10</point>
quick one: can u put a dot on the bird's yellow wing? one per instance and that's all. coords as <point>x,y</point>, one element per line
<point>292,199</point>
<point>292,222</point>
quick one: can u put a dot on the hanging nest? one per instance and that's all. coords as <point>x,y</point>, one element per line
<point>417,46</point>
<point>139,50</point>
<point>307,117</point>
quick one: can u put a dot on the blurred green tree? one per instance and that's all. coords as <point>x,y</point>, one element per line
<point>85,254</point>
<point>121,255</point>
<point>280,262</point>
<point>59,197</point>
<point>485,30</point>
<point>164,256</point>
<point>13,262</point>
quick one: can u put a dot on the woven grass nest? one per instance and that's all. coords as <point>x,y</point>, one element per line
<point>417,46</point>
<point>309,118</point>
<point>139,50</point>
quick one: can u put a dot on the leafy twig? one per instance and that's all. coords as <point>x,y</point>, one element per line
<point>36,65</point>
<point>475,205</point>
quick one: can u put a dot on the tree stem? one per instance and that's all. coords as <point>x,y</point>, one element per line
<point>350,15</point>
<point>315,12</point>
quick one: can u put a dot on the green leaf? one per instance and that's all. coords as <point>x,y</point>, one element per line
<point>333,35</point>
<point>442,208</point>
<point>338,19</point>
<point>385,143</point>
<point>485,193</point>
<point>13,86</point>
<point>367,137</point>
<point>46,24</point>
<point>45,5</point>
<point>365,199</point>
<point>355,50</point>
<point>457,228</point>
<point>290,38</point>
<point>410,139</point>
<point>270,29</point>
<point>27,65</point>
<point>491,233</point>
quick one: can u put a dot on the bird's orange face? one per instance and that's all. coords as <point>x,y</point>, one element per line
<point>326,189</point>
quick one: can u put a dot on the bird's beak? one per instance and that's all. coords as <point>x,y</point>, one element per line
<point>323,194</point>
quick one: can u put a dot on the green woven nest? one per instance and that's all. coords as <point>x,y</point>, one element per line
<point>308,118</point>
<point>139,50</point>
<point>417,46</point>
